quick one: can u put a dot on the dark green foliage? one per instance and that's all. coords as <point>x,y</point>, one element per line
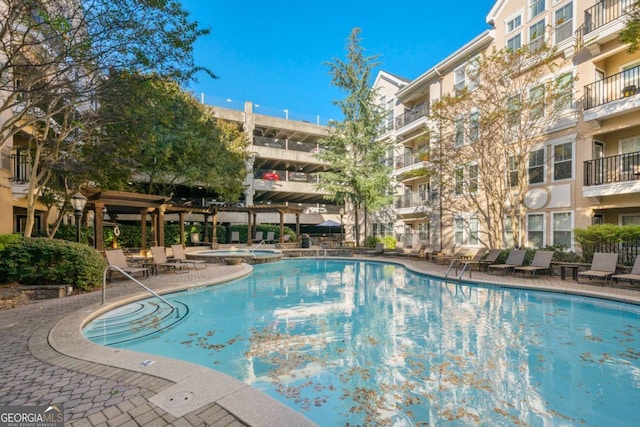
<point>631,33</point>
<point>39,261</point>
<point>371,241</point>
<point>6,239</point>
<point>622,239</point>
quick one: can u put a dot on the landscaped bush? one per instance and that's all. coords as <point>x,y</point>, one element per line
<point>389,242</point>
<point>41,261</point>
<point>371,241</point>
<point>621,239</point>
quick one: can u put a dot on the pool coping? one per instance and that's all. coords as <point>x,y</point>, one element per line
<point>203,385</point>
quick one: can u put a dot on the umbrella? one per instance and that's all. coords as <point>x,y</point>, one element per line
<point>329,223</point>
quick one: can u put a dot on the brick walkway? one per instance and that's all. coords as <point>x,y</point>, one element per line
<point>94,394</point>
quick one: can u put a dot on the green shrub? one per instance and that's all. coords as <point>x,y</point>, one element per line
<point>7,239</point>
<point>608,238</point>
<point>41,261</point>
<point>389,242</point>
<point>371,241</point>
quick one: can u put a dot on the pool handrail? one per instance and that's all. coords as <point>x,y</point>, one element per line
<point>121,271</point>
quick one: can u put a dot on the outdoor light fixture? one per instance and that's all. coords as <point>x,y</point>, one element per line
<point>78,201</point>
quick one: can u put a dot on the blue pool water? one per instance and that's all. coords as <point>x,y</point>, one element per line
<point>368,343</point>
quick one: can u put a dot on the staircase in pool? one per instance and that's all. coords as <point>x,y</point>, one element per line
<point>133,321</point>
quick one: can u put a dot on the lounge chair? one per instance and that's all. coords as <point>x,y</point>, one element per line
<point>415,252</point>
<point>378,250</point>
<point>117,258</point>
<point>484,261</point>
<point>541,261</point>
<point>180,256</point>
<point>160,260</point>
<point>514,259</point>
<point>286,238</point>
<point>469,253</point>
<point>633,276</point>
<point>603,267</point>
<point>195,240</point>
<point>397,251</point>
<point>443,257</point>
<point>259,237</point>
<point>235,237</point>
<point>271,237</point>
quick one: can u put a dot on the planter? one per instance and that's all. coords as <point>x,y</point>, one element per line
<point>232,261</point>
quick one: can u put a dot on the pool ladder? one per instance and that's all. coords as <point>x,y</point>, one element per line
<point>127,275</point>
<point>253,251</point>
<point>454,264</point>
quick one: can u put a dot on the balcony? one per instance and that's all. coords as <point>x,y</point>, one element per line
<point>621,86</point>
<point>412,205</point>
<point>602,22</point>
<point>408,159</point>
<point>612,175</point>
<point>412,115</point>
<point>20,167</point>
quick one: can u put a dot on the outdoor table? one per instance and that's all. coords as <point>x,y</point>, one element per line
<point>573,266</point>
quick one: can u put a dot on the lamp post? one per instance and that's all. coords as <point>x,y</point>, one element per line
<point>341,214</point>
<point>78,201</point>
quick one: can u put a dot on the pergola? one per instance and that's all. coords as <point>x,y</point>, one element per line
<point>252,214</point>
<point>125,203</point>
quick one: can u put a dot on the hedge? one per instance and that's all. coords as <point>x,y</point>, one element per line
<point>42,261</point>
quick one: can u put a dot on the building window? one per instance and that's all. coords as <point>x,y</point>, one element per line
<point>513,111</point>
<point>564,91</point>
<point>564,22</point>
<point>473,178</point>
<point>424,231</point>
<point>536,7</point>
<point>536,101</point>
<point>509,241</point>
<point>535,230</point>
<point>562,226</point>
<point>629,158</point>
<point>563,161</point>
<point>465,232</point>
<point>515,42</point>
<point>514,23</point>
<point>513,172</point>
<point>423,192</point>
<point>536,35</point>
<point>630,219</point>
<point>472,73</point>
<point>536,166</point>
<point>459,133</point>
<point>474,127</point>
<point>459,181</point>
<point>459,78</point>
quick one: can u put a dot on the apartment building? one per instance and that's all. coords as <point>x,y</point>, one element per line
<point>586,169</point>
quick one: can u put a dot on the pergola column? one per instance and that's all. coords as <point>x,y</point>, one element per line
<point>281,227</point>
<point>161,210</point>
<point>249,228</point>
<point>143,231</point>
<point>181,216</point>
<point>206,228</point>
<point>215,226</point>
<point>98,226</point>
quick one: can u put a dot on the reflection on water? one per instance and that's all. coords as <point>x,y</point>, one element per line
<point>355,343</point>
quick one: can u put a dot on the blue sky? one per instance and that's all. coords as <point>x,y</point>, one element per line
<point>275,53</point>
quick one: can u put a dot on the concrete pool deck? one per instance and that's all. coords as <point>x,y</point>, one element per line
<point>47,361</point>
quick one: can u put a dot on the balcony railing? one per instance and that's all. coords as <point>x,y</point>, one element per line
<point>600,14</point>
<point>286,144</point>
<point>612,169</point>
<point>21,165</point>
<point>612,88</point>
<point>409,158</point>
<point>412,115</point>
<point>411,200</point>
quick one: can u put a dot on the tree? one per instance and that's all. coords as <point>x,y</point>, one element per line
<point>55,58</point>
<point>162,136</point>
<point>358,176</point>
<point>631,32</point>
<point>492,133</point>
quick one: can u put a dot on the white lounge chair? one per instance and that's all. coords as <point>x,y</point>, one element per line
<point>180,256</point>
<point>117,258</point>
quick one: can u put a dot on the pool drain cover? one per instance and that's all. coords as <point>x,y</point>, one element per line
<point>179,399</point>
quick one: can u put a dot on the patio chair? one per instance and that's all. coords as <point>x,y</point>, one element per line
<point>443,257</point>
<point>378,250</point>
<point>271,237</point>
<point>514,259</point>
<point>286,238</point>
<point>235,237</point>
<point>468,253</point>
<point>541,261</point>
<point>633,276</point>
<point>160,260</point>
<point>259,237</point>
<point>484,261</point>
<point>195,240</point>
<point>397,251</point>
<point>180,256</point>
<point>603,267</point>
<point>117,258</point>
<point>415,252</point>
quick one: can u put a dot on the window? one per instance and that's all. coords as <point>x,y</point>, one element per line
<point>564,22</point>
<point>535,230</point>
<point>473,178</point>
<point>562,226</point>
<point>424,231</point>
<point>536,35</point>
<point>459,78</point>
<point>474,127</point>
<point>514,23</point>
<point>472,73</point>
<point>459,135</point>
<point>536,7</point>
<point>459,181</point>
<point>513,110</point>
<point>563,161</point>
<point>515,42</point>
<point>536,101</point>
<point>630,159</point>
<point>564,91</point>
<point>465,232</point>
<point>513,172</point>
<point>423,192</point>
<point>630,219</point>
<point>509,241</point>
<point>536,166</point>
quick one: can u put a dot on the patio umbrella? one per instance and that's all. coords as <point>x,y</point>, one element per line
<point>329,223</point>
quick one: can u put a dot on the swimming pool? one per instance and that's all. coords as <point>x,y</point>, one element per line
<point>346,341</point>
<point>249,256</point>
